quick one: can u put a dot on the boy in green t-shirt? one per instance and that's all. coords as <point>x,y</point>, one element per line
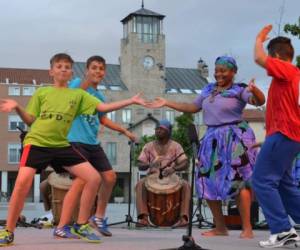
<point>49,114</point>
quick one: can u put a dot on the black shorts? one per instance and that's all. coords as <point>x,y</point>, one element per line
<point>40,157</point>
<point>94,154</point>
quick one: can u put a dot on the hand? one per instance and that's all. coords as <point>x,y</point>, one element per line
<point>153,170</point>
<point>157,103</point>
<point>137,99</point>
<point>262,36</point>
<point>256,145</point>
<point>131,136</point>
<point>168,171</point>
<point>7,105</point>
<point>156,163</point>
<point>251,85</point>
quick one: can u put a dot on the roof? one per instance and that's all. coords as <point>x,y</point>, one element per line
<point>112,76</point>
<point>254,115</point>
<point>176,78</point>
<point>143,12</point>
<point>148,117</point>
<point>24,76</point>
<point>182,78</point>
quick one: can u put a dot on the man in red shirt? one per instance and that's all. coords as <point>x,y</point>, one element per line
<point>272,181</point>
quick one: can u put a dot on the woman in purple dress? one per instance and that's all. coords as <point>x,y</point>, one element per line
<point>225,156</point>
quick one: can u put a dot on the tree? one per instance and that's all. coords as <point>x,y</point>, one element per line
<point>294,29</point>
<point>179,134</point>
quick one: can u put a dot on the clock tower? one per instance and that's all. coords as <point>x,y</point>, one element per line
<point>142,59</point>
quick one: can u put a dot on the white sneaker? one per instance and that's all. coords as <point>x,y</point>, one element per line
<point>290,238</point>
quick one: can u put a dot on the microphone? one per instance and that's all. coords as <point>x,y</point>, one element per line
<point>193,136</point>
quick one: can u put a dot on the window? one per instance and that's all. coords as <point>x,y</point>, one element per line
<point>198,119</point>
<point>147,28</point>
<point>28,91</point>
<point>111,116</point>
<point>111,152</point>
<point>15,121</point>
<point>101,87</point>
<point>14,152</point>
<point>115,88</point>
<point>14,91</point>
<point>170,116</point>
<point>170,91</point>
<point>186,91</point>
<point>126,115</point>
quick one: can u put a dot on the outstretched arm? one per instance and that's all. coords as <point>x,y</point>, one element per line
<point>258,97</point>
<point>179,106</point>
<point>107,107</point>
<point>8,105</point>
<point>260,56</point>
<point>115,126</point>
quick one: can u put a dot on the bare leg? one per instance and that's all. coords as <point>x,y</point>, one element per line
<point>108,182</point>
<point>21,189</point>
<point>244,205</point>
<point>216,209</point>
<point>91,177</point>
<point>71,200</point>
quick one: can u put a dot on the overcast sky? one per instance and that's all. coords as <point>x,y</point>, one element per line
<point>33,30</point>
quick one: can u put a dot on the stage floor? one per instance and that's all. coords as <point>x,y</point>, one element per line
<point>131,239</point>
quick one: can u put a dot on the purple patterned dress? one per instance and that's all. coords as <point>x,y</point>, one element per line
<point>225,156</point>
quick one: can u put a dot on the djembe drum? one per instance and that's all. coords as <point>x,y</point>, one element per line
<point>60,184</point>
<point>163,199</point>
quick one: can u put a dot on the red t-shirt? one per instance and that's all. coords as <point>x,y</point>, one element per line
<point>283,110</point>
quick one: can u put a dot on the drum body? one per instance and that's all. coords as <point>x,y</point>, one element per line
<point>163,199</point>
<point>60,185</point>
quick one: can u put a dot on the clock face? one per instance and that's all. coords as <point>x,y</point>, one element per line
<point>148,62</point>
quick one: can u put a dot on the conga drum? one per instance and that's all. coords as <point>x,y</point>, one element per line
<point>163,199</point>
<point>60,184</point>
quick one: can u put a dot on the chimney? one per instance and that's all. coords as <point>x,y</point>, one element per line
<point>203,68</point>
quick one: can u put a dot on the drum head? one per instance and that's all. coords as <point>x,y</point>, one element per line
<point>166,185</point>
<point>60,181</point>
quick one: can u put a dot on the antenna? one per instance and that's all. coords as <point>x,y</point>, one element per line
<point>142,4</point>
<point>281,13</point>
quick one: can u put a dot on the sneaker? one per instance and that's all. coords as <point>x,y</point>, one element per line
<point>85,232</point>
<point>65,232</point>
<point>282,239</point>
<point>100,225</point>
<point>6,238</point>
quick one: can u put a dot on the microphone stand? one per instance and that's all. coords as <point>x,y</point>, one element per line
<point>128,217</point>
<point>189,243</point>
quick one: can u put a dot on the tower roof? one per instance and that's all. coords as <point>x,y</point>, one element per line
<point>143,12</point>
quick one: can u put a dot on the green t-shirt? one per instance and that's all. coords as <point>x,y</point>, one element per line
<point>55,109</point>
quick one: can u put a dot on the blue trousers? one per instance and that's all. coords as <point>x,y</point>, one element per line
<point>273,183</point>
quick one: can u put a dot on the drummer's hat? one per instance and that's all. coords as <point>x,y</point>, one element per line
<point>165,124</point>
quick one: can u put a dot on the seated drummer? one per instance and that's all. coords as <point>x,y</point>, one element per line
<point>157,154</point>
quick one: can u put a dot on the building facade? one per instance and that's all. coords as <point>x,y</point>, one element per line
<point>142,68</point>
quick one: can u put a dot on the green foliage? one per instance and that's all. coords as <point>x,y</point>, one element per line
<point>294,29</point>
<point>117,191</point>
<point>298,61</point>
<point>138,149</point>
<point>179,134</point>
